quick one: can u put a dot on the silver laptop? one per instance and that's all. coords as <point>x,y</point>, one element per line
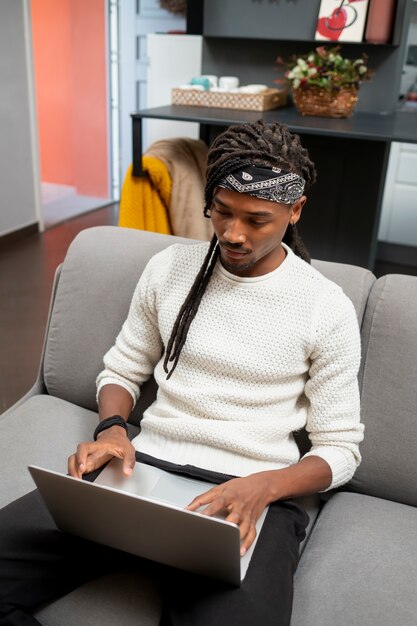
<point>145,515</point>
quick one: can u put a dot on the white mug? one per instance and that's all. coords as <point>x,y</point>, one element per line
<point>213,80</point>
<point>229,82</point>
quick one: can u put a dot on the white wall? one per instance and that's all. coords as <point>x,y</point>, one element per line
<point>399,209</point>
<point>173,61</point>
<point>19,177</point>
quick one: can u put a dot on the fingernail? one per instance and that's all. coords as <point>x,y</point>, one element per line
<point>242,551</point>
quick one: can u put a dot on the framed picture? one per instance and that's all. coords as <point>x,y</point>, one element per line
<point>341,20</point>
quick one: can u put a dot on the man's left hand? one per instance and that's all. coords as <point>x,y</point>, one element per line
<point>242,499</point>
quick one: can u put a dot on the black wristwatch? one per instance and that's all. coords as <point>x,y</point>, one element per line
<point>114,420</point>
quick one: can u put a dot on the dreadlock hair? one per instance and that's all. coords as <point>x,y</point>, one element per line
<point>270,145</point>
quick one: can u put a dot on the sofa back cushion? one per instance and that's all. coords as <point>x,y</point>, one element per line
<point>389,392</point>
<point>98,277</point>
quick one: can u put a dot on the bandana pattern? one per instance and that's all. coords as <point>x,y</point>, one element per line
<point>273,184</point>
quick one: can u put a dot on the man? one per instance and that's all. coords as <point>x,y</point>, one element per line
<point>248,344</point>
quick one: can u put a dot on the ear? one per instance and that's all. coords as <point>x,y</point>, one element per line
<point>296,210</point>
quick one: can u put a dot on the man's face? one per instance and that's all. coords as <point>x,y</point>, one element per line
<point>250,231</point>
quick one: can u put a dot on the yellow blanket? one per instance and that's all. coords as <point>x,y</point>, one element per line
<point>144,201</point>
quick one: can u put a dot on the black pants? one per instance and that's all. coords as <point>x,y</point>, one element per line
<point>39,563</point>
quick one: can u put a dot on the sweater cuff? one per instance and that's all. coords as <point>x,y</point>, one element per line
<point>115,381</point>
<point>342,464</point>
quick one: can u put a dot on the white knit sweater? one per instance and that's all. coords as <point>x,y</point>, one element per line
<point>263,358</point>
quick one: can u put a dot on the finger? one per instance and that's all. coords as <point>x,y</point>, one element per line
<point>90,456</point>
<point>73,469</point>
<point>215,507</point>
<point>129,461</point>
<point>96,459</point>
<point>202,499</point>
<point>125,455</point>
<point>81,456</point>
<point>234,517</point>
<point>248,540</point>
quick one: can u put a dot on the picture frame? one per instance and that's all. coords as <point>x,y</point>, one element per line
<point>341,20</point>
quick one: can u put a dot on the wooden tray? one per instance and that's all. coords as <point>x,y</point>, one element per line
<point>264,101</point>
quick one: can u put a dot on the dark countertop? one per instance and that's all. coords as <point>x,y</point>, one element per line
<point>399,126</point>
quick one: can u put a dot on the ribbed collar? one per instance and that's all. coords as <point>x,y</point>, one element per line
<point>257,279</point>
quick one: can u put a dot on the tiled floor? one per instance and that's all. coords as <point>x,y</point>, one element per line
<point>27,269</point>
<point>26,275</point>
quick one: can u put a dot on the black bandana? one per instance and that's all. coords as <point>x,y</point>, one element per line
<point>266,183</point>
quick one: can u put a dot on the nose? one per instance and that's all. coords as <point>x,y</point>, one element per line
<point>234,232</point>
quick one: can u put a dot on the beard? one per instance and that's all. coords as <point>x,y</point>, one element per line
<point>236,267</point>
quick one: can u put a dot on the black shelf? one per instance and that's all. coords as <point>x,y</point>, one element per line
<point>351,156</point>
<point>308,40</point>
<point>400,126</point>
<point>245,42</point>
<point>273,21</point>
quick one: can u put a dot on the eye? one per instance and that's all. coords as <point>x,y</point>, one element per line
<point>220,211</point>
<point>258,222</point>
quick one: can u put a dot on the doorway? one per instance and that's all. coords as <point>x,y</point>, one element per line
<point>71,82</point>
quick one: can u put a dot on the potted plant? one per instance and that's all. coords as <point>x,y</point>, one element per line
<point>323,83</point>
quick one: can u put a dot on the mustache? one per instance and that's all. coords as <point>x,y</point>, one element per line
<point>234,247</point>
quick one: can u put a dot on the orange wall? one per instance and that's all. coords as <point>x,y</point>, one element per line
<point>69,45</point>
<point>53,78</point>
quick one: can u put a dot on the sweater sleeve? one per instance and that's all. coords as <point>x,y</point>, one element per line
<point>138,347</point>
<point>333,421</point>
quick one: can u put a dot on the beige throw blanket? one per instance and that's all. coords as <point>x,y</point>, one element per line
<point>185,160</point>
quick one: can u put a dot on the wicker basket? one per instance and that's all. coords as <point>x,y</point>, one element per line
<point>264,101</point>
<point>325,103</point>
<point>174,6</point>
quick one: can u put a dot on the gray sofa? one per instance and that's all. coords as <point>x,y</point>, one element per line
<point>358,566</point>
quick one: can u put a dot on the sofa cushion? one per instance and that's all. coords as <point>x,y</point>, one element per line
<point>41,431</point>
<point>359,567</point>
<point>389,391</point>
<point>98,277</point>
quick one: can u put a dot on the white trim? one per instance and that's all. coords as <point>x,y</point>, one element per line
<point>386,210</point>
<point>113,57</point>
<point>33,118</point>
<point>127,56</point>
<point>107,60</point>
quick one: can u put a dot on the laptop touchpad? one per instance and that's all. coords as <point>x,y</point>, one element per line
<point>178,490</point>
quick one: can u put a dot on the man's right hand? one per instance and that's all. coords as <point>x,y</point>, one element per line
<point>112,442</point>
